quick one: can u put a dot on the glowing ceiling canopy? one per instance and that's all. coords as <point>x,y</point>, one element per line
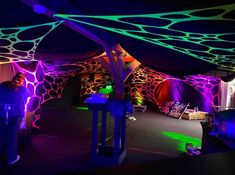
<point>198,33</point>
<point>20,43</point>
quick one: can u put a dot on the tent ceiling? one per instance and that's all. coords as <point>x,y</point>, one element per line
<point>175,38</point>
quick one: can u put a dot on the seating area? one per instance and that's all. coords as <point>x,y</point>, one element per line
<point>192,115</point>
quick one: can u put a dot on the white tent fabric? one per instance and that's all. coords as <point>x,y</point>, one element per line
<point>6,72</point>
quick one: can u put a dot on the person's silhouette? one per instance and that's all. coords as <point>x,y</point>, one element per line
<point>13,97</point>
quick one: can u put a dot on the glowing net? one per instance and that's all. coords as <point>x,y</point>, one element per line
<point>20,43</point>
<point>205,34</point>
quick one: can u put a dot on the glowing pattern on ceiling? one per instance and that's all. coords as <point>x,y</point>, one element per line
<point>20,43</point>
<point>182,31</point>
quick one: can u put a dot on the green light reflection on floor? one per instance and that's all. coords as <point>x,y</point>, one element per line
<point>183,139</point>
<point>82,108</point>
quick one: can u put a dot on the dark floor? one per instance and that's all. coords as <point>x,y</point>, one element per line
<point>64,142</point>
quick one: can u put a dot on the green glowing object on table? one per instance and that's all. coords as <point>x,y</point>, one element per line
<point>107,90</point>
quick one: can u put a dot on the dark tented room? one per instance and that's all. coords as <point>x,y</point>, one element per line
<point>117,87</point>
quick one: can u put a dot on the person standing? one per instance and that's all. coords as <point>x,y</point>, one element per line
<point>13,97</point>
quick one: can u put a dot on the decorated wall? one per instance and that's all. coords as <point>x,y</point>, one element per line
<point>147,85</point>
<point>72,83</point>
<point>144,86</point>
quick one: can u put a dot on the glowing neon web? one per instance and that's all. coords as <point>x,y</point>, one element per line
<point>214,45</point>
<point>20,43</point>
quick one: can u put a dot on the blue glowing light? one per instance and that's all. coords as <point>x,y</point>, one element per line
<point>39,9</point>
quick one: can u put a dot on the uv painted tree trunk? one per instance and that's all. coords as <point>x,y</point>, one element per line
<point>115,63</point>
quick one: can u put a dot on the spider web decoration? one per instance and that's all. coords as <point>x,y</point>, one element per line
<point>57,76</point>
<point>143,83</point>
<point>20,43</point>
<point>181,31</point>
<point>209,86</point>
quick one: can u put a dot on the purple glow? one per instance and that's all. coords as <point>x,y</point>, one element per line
<point>40,73</point>
<point>177,90</point>
<point>39,9</point>
<point>30,88</point>
<point>97,98</point>
<point>29,77</point>
<point>208,86</point>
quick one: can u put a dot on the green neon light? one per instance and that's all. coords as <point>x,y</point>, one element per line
<point>139,98</point>
<point>13,41</point>
<point>139,101</point>
<point>207,44</point>
<point>82,108</point>
<point>109,87</point>
<point>106,140</point>
<point>183,139</point>
<point>105,91</point>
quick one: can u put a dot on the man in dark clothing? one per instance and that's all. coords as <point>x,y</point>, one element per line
<point>13,97</point>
